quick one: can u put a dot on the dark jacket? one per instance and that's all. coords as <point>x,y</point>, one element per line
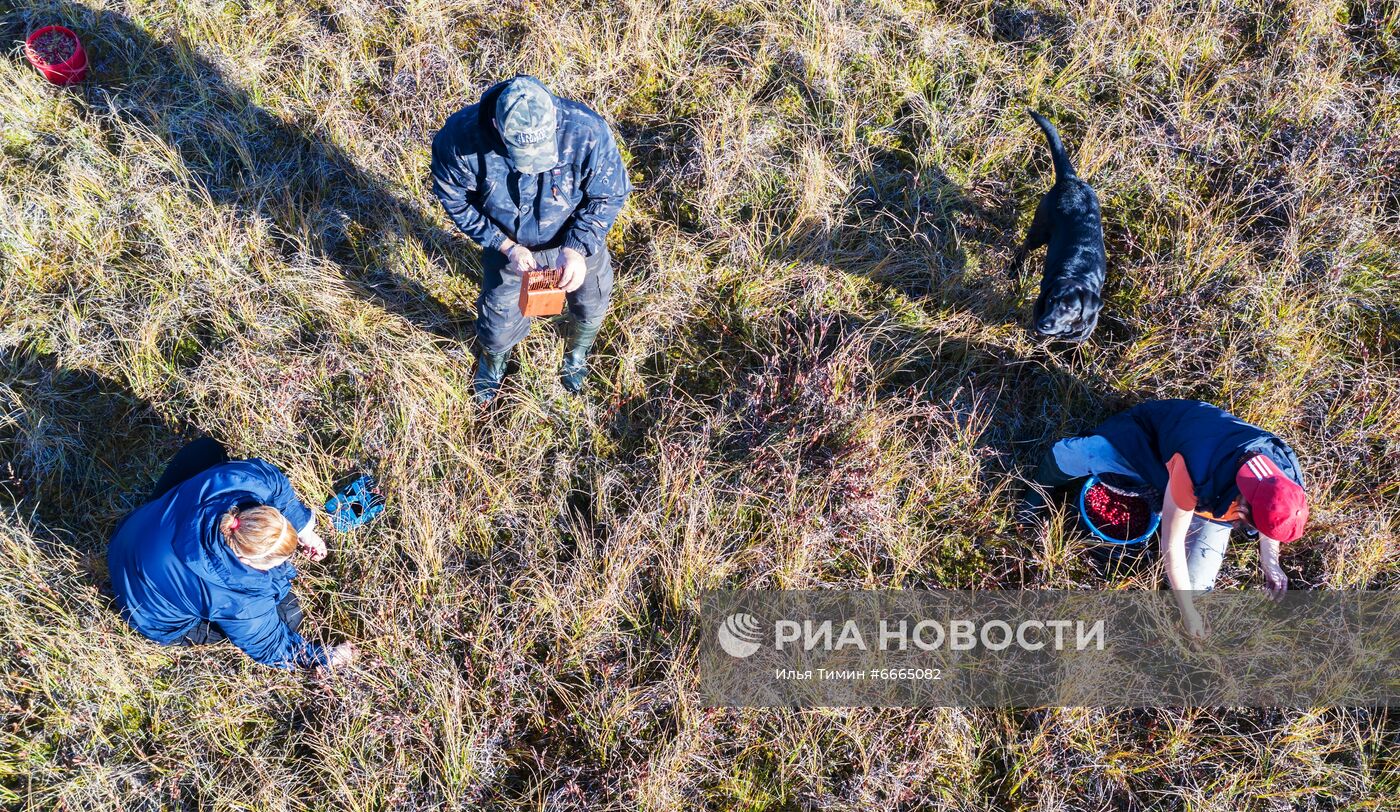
<point>172,568</point>
<point>1212,442</point>
<point>572,206</point>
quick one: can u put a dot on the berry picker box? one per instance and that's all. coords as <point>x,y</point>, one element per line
<point>540,294</point>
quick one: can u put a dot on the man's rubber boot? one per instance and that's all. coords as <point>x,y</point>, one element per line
<point>1047,478</point>
<point>490,371</point>
<point>575,368</point>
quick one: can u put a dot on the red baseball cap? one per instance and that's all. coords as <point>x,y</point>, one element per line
<point>1278,507</point>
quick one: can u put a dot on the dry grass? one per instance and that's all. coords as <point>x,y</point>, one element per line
<point>815,374</point>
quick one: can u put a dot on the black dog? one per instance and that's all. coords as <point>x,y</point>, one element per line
<point>1068,221</point>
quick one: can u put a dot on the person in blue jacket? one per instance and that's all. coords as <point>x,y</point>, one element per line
<point>536,180</point>
<point>1214,473</point>
<point>206,559</point>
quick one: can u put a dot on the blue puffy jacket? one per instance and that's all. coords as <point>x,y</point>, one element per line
<point>573,205</point>
<point>1212,442</point>
<point>172,568</point>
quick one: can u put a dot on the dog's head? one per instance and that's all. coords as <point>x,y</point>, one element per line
<point>1066,311</point>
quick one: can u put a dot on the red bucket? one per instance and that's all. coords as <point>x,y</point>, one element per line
<point>44,50</point>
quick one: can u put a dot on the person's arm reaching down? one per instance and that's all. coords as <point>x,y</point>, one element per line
<point>276,490</point>
<point>1176,520</point>
<point>1175,523</point>
<point>267,640</point>
<point>272,488</point>
<point>457,190</point>
<point>1274,579</point>
<point>605,187</point>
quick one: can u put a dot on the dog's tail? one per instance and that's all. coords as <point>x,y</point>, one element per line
<point>1063,168</point>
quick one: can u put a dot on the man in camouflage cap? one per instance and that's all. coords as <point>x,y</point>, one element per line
<point>537,181</point>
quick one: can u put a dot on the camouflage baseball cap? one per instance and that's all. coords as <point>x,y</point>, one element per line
<point>526,118</point>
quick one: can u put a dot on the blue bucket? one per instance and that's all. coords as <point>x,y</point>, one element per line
<point>1152,523</point>
<point>355,505</point>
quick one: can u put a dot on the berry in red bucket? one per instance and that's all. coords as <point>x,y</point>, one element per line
<point>54,47</point>
<point>1122,516</point>
<point>58,54</point>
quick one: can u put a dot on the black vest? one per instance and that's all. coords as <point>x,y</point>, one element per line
<point>1213,442</point>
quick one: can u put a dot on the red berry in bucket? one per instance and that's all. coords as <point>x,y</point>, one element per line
<point>1122,516</point>
<point>54,47</point>
<point>58,54</point>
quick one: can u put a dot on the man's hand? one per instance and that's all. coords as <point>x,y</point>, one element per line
<point>311,545</point>
<point>574,269</point>
<point>519,257</point>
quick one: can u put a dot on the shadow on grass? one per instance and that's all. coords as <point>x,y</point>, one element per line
<point>797,399</point>
<point>247,157</point>
<point>907,224</point>
<point>77,450</point>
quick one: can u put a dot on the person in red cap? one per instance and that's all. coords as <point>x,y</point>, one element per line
<point>1215,473</point>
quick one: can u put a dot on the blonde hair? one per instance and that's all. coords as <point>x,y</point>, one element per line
<point>259,534</point>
